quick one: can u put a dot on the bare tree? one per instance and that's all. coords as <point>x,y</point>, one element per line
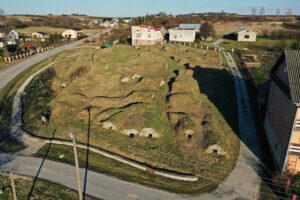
<point>277,12</point>
<point>2,13</point>
<point>262,11</point>
<point>253,11</point>
<point>289,12</point>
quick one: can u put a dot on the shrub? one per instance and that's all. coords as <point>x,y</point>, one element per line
<point>78,73</point>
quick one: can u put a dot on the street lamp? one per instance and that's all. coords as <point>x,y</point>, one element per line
<point>77,165</point>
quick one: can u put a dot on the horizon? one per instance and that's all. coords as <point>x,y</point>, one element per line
<point>134,8</point>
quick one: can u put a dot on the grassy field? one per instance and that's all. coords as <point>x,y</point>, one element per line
<point>114,168</point>
<point>192,97</point>
<point>6,97</point>
<point>52,30</point>
<point>222,28</point>
<point>40,190</point>
<point>267,51</point>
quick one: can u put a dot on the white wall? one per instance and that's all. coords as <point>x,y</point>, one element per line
<point>243,36</point>
<point>145,34</point>
<point>178,35</point>
<point>72,33</point>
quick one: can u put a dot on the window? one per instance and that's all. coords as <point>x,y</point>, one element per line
<point>297,124</point>
<point>175,36</point>
<point>247,36</point>
<point>131,135</point>
<point>150,135</point>
<point>149,35</point>
<point>138,35</point>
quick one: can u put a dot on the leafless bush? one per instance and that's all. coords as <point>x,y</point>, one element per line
<point>78,73</point>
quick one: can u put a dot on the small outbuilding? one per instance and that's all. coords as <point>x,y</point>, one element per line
<point>39,36</point>
<point>242,35</point>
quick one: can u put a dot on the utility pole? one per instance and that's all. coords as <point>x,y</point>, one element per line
<point>13,185</point>
<point>77,166</point>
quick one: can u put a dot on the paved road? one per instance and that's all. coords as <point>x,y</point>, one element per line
<point>218,42</point>
<point>245,176</point>
<point>98,185</point>
<point>14,70</point>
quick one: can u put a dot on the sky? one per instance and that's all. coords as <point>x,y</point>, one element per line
<point>130,8</point>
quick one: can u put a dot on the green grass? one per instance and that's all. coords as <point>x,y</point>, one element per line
<point>42,189</point>
<point>6,98</point>
<point>114,168</point>
<point>224,61</point>
<point>267,50</point>
<point>260,75</point>
<point>170,152</point>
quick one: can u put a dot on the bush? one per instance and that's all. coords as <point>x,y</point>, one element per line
<point>78,73</point>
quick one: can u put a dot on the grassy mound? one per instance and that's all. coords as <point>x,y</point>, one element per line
<point>170,90</point>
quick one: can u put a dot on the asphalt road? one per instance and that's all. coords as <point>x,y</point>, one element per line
<point>14,70</point>
<point>98,185</point>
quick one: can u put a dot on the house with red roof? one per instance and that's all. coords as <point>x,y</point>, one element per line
<point>147,35</point>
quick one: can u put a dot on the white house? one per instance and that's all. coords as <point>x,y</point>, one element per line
<point>147,35</point>
<point>39,35</point>
<point>12,35</point>
<point>195,27</point>
<point>244,35</point>
<point>182,35</point>
<point>71,33</point>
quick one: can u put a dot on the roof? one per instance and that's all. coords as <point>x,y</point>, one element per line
<point>292,59</point>
<point>149,27</point>
<point>28,45</point>
<point>241,30</point>
<point>190,26</point>
<point>42,33</point>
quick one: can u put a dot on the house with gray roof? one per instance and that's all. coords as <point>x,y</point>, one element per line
<point>282,117</point>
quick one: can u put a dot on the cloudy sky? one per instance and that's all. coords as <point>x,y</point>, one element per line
<point>141,7</point>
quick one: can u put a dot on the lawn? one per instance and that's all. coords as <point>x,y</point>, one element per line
<point>177,91</point>
<point>52,30</point>
<point>42,189</point>
<point>6,97</point>
<point>267,51</point>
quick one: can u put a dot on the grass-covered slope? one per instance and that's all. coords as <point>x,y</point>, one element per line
<point>169,89</point>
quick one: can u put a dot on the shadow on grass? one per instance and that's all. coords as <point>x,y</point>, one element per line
<point>40,168</point>
<point>87,153</point>
<point>219,87</point>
